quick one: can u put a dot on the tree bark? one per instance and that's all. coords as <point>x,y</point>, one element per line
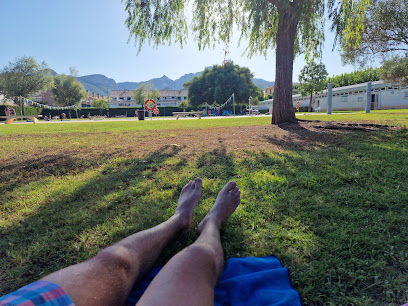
<point>283,110</point>
<point>310,102</point>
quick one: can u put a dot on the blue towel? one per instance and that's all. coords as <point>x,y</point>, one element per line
<point>244,281</point>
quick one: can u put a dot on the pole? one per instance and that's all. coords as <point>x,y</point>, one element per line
<point>233,101</point>
<point>329,98</point>
<point>368,102</point>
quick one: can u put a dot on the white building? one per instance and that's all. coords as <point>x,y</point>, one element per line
<point>124,98</point>
<point>354,97</point>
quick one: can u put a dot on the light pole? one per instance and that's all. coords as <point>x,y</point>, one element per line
<point>250,105</point>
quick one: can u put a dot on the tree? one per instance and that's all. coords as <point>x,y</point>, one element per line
<point>143,92</point>
<point>100,104</point>
<point>395,70</point>
<point>291,26</point>
<point>385,33</point>
<point>217,84</point>
<point>355,77</point>
<point>183,105</point>
<point>312,79</point>
<point>140,95</point>
<point>67,90</point>
<point>152,94</point>
<point>23,77</point>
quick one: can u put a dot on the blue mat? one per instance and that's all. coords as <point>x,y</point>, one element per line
<point>244,281</point>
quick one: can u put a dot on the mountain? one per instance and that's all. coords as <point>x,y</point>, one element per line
<point>185,78</point>
<point>97,83</point>
<point>101,84</point>
<point>160,83</point>
<point>262,84</point>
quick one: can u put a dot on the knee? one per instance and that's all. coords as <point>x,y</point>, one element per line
<point>117,258</point>
<point>209,257</point>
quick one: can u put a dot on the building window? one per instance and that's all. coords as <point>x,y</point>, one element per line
<point>185,98</point>
<point>179,98</point>
<point>129,98</point>
<point>344,99</point>
<point>405,94</point>
<point>360,99</point>
<point>121,98</point>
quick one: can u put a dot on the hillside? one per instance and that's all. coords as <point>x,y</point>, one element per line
<point>101,84</point>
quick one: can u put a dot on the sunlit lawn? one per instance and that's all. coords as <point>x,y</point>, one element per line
<point>335,212</point>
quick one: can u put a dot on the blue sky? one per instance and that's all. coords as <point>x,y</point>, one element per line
<point>91,36</point>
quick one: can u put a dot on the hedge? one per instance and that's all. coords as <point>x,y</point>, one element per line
<point>27,110</point>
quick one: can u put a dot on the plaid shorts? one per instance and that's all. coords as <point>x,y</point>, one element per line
<point>38,293</point>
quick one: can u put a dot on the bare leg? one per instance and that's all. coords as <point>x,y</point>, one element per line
<point>190,276</point>
<point>108,278</point>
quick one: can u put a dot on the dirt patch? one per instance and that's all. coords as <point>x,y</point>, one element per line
<point>239,140</point>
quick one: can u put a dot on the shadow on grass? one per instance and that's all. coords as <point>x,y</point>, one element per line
<point>335,215</point>
<point>32,243</point>
<point>120,198</point>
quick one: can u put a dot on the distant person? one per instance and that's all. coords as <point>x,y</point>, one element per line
<point>189,278</point>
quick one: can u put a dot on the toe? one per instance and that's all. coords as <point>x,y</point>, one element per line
<point>198,183</point>
<point>230,185</point>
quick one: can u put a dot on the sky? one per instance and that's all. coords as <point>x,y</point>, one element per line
<point>91,36</point>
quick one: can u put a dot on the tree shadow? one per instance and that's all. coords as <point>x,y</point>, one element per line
<point>331,216</point>
<point>31,244</point>
<point>120,198</point>
<point>310,137</point>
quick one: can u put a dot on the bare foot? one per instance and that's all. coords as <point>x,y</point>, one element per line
<point>226,203</point>
<point>189,197</point>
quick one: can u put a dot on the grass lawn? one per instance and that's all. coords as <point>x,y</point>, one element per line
<point>397,117</point>
<point>330,203</point>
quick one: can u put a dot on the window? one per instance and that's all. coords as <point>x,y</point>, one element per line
<point>121,98</point>
<point>185,98</point>
<point>179,98</point>
<point>344,99</point>
<point>405,94</point>
<point>129,98</point>
<point>360,99</point>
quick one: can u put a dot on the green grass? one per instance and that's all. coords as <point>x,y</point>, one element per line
<point>134,125</point>
<point>395,117</point>
<point>333,209</point>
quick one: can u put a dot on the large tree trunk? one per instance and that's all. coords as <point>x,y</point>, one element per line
<point>283,110</point>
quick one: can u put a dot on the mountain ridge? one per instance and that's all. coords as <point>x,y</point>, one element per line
<point>101,84</point>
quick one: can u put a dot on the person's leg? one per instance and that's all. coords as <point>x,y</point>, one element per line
<point>189,278</point>
<point>108,278</point>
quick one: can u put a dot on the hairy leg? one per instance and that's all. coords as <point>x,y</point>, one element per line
<point>107,278</point>
<point>190,276</point>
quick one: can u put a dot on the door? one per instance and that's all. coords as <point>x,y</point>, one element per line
<point>374,101</point>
